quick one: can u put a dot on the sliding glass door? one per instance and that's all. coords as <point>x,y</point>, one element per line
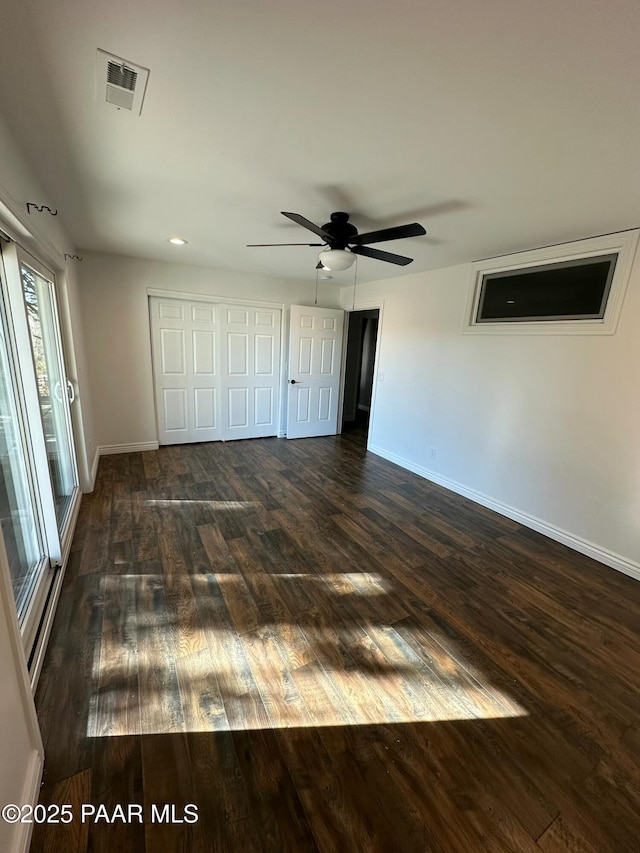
<point>38,473</point>
<point>54,391</point>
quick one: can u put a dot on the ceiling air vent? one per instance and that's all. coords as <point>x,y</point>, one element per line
<point>121,83</point>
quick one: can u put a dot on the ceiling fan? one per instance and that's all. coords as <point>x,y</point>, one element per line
<point>343,241</point>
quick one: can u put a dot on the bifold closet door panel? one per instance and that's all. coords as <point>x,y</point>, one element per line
<point>184,337</point>
<point>250,371</point>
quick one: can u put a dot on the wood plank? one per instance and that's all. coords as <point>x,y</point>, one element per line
<point>224,816</point>
<point>117,781</point>
<point>160,704</point>
<point>200,696</point>
<point>561,837</point>
<point>61,837</point>
<point>117,709</point>
<point>167,781</point>
<point>219,557</point>
<point>272,797</point>
<point>230,666</point>
<point>144,533</point>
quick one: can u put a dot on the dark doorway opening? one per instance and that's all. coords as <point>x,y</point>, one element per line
<point>362,339</point>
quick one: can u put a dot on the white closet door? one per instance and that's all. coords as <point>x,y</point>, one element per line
<point>250,371</point>
<point>184,343</point>
<point>216,370</point>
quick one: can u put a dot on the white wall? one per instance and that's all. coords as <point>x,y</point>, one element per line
<point>116,325</point>
<point>44,236</point>
<point>544,428</point>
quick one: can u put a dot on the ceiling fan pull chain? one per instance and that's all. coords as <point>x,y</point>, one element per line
<point>317,274</point>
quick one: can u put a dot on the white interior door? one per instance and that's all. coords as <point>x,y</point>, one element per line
<point>315,359</point>
<point>184,345</point>
<point>250,371</point>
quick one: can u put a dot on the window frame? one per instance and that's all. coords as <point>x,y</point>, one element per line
<point>623,244</point>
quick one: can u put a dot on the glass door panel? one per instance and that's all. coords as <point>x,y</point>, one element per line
<point>53,388</point>
<point>18,516</point>
<point>39,491</point>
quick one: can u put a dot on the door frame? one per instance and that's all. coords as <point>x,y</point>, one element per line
<point>226,300</point>
<point>29,237</point>
<point>364,305</point>
<point>290,422</point>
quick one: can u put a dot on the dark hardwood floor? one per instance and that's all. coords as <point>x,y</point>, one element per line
<point>324,652</point>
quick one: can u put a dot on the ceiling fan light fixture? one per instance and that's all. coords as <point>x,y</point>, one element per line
<point>336,260</point>
<point>177,241</point>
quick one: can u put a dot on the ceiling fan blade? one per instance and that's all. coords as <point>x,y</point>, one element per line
<point>253,245</point>
<point>306,223</point>
<point>395,233</point>
<point>401,260</point>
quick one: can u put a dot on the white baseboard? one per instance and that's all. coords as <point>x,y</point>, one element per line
<point>30,796</point>
<point>590,549</point>
<point>109,449</point>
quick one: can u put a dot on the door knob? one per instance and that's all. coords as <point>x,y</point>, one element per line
<point>292,381</point>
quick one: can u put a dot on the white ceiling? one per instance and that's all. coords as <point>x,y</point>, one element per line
<point>500,125</point>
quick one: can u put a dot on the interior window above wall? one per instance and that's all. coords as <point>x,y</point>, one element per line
<point>569,290</point>
<point>573,288</point>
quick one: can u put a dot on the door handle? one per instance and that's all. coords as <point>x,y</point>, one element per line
<point>292,381</point>
<point>71,391</point>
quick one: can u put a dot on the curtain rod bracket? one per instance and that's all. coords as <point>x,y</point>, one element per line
<point>40,208</point>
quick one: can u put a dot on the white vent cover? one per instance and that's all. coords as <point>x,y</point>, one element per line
<point>120,82</point>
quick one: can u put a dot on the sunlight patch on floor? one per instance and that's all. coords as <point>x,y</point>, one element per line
<point>224,663</point>
<point>214,505</point>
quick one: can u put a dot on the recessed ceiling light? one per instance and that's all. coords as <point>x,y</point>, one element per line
<point>177,241</point>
